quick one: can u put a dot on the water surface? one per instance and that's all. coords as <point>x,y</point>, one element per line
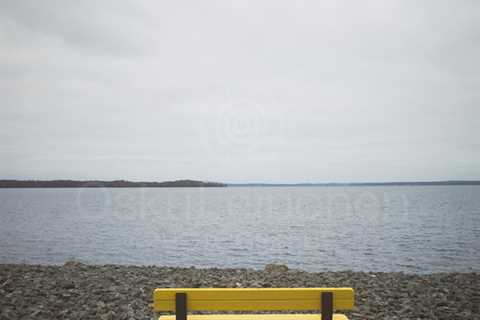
<point>396,228</point>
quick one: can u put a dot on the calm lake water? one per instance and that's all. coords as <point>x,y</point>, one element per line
<point>409,228</point>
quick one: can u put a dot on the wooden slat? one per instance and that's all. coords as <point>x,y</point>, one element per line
<point>244,299</point>
<point>256,317</point>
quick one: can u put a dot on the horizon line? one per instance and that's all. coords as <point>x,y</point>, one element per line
<point>256,183</point>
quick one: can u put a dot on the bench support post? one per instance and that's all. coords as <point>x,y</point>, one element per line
<point>327,305</point>
<point>181,306</point>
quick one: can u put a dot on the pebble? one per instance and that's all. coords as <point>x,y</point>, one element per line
<point>80,291</point>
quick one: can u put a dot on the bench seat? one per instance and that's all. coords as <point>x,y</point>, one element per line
<point>256,317</point>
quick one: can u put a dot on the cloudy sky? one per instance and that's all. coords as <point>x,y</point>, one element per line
<point>235,91</point>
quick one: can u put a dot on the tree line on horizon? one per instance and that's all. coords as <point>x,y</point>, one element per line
<point>106,184</point>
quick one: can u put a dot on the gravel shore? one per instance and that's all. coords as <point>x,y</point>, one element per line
<point>79,291</point>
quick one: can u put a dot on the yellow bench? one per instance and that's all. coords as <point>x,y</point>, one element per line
<point>181,300</point>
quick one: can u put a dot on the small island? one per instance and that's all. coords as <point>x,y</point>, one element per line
<point>106,184</point>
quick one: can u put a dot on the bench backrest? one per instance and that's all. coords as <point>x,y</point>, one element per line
<point>253,299</point>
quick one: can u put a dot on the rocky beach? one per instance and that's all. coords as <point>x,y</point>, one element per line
<point>80,291</point>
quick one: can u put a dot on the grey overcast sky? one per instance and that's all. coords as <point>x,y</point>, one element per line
<point>236,91</point>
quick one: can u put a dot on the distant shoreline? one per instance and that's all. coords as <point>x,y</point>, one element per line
<point>362,184</point>
<point>9,184</point>
<point>106,184</point>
